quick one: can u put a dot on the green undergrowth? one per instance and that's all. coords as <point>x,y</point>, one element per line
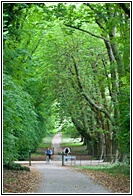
<point>46,142</point>
<point>114,169</point>
<point>16,166</point>
<point>74,144</point>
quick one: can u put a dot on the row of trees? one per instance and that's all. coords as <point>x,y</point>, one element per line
<point>66,62</point>
<point>26,97</point>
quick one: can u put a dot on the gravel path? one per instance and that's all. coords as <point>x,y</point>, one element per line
<point>56,141</point>
<point>60,179</point>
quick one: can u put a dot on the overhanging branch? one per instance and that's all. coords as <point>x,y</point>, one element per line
<point>83,30</point>
<point>98,108</point>
<point>88,99</point>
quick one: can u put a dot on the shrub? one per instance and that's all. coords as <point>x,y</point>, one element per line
<point>16,166</point>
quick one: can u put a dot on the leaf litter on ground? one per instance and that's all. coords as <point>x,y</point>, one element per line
<point>118,183</point>
<point>18,181</point>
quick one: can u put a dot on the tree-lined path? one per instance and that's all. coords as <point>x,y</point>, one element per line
<point>66,67</point>
<point>58,179</point>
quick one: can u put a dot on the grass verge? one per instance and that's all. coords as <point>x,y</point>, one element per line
<point>116,177</point>
<point>40,152</point>
<point>114,169</point>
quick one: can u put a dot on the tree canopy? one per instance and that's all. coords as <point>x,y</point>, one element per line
<point>66,64</point>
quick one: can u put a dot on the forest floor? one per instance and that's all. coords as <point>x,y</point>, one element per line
<point>17,181</point>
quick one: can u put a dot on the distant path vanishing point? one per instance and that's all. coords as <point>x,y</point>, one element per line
<point>56,144</point>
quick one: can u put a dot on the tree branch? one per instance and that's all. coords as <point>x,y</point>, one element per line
<point>85,31</point>
<point>88,99</point>
<point>98,108</point>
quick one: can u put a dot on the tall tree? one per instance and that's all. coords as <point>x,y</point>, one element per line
<point>73,55</point>
<point>108,17</point>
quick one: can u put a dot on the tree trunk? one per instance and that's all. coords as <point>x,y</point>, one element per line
<point>102,146</point>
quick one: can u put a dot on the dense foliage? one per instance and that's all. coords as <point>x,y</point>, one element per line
<point>66,66</point>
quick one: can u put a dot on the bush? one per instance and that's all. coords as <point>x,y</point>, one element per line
<point>16,166</point>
